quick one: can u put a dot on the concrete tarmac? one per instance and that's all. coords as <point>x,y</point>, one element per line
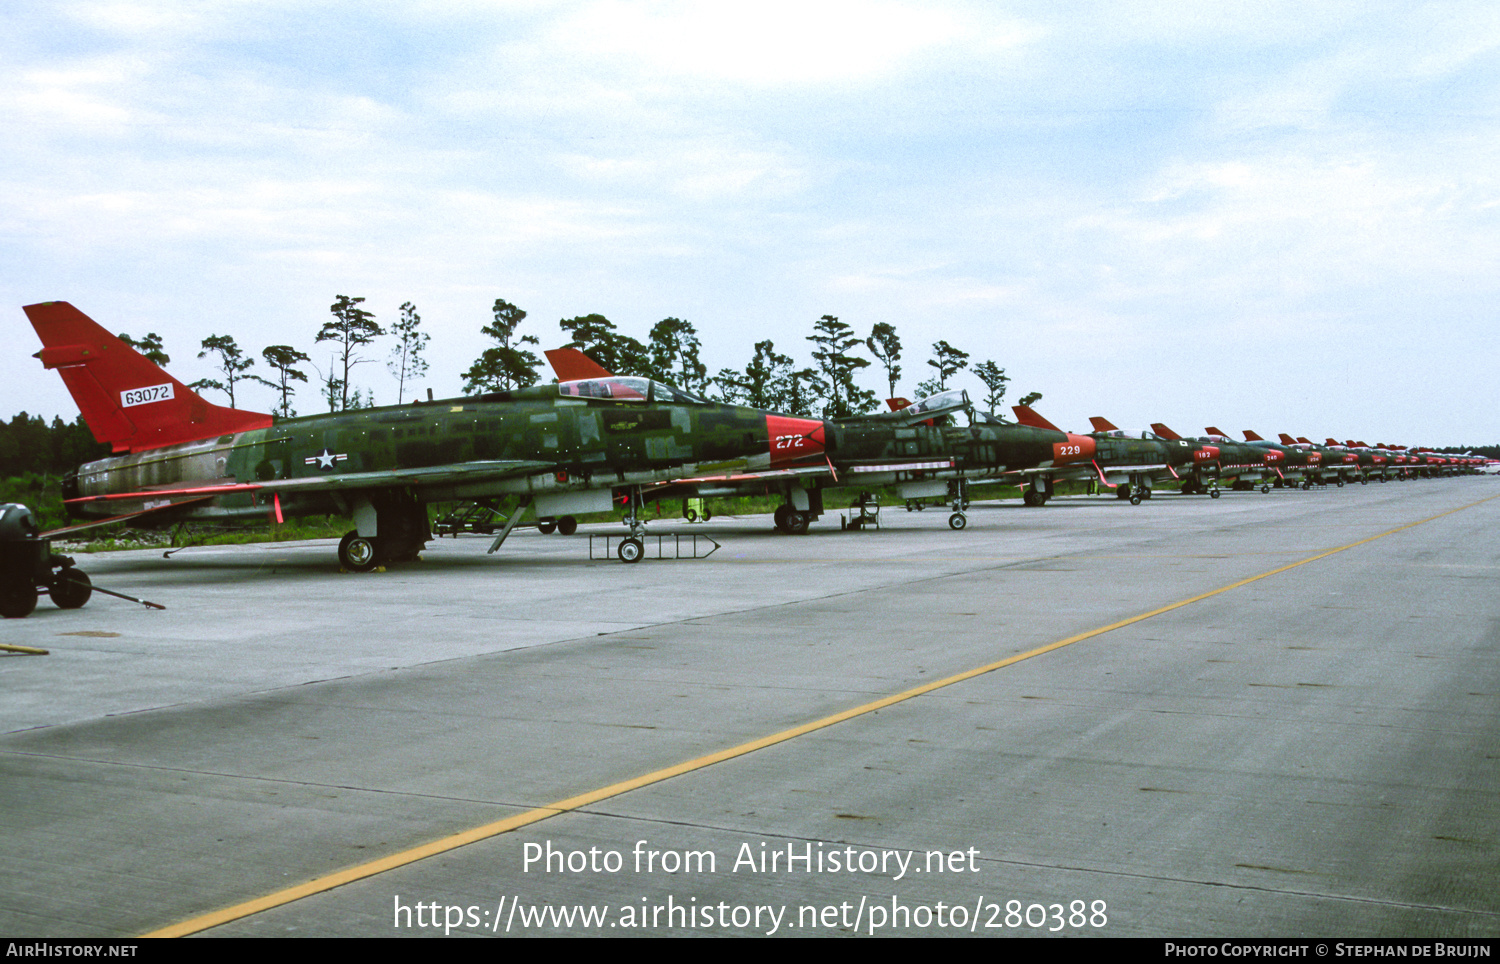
<point>1313,753</point>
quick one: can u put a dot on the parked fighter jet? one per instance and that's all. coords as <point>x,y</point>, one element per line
<point>563,449</point>
<point>917,448</point>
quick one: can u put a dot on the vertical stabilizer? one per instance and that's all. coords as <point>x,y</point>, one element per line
<point>124,397</point>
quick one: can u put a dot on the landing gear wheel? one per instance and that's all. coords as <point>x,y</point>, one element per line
<point>17,600</point>
<point>1265,490</point>
<point>797,523</point>
<point>707,513</point>
<point>357,553</point>
<point>1032,498</point>
<point>1213,493</point>
<point>1340,483</point>
<point>1135,498</point>
<point>70,589</point>
<point>631,550</point>
<point>547,527</point>
<point>780,517</point>
<point>567,525</point>
<point>957,521</point>
<point>690,515</point>
<point>1122,491</point>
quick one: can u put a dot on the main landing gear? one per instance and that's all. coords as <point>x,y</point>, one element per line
<point>793,522</point>
<point>393,527</point>
<point>1037,493</point>
<point>1195,486</point>
<point>1138,488</point>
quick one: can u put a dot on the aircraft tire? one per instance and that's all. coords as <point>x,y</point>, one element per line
<point>707,513</point>
<point>1135,498</point>
<point>957,522</point>
<point>1213,493</point>
<point>1265,490</point>
<point>547,527</point>
<point>567,525</point>
<point>1340,483</point>
<point>1122,491</point>
<point>358,553</point>
<point>780,517</point>
<point>797,523</point>
<point>1145,492</point>
<point>17,599</point>
<point>631,550</point>
<point>690,515</point>
<point>70,589</point>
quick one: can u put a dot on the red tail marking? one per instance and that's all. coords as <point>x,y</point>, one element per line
<point>1102,424</point>
<point>1026,416</point>
<point>572,365</point>
<point>897,404</point>
<point>126,399</point>
<point>1165,432</point>
<point>1252,437</point>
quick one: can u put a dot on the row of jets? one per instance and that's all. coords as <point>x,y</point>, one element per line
<point>594,440</point>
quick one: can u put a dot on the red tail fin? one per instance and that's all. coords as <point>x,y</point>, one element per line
<point>1252,437</point>
<point>898,403</point>
<point>126,399</point>
<point>1165,432</point>
<point>572,365</point>
<point>1102,424</point>
<point>1287,439</point>
<point>1026,416</point>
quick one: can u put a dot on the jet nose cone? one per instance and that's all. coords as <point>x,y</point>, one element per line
<point>1078,448</point>
<point>795,439</point>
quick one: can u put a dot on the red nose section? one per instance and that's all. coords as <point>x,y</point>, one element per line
<point>793,439</point>
<point>1078,448</point>
<point>1273,456</point>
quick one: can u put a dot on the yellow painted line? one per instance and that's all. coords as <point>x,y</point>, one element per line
<point>452,842</point>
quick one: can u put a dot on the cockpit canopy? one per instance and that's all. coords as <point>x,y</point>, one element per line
<point>942,403</point>
<point>627,388</point>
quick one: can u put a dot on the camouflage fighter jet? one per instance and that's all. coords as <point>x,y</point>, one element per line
<point>561,449</point>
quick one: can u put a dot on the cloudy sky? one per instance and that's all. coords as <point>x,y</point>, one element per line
<point>1276,216</point>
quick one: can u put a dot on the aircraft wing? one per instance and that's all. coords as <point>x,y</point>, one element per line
<point>462,471</point>
<point>429,475</point>
<point>123,517</point>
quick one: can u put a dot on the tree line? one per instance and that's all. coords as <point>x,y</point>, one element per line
<point>672,353</point>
